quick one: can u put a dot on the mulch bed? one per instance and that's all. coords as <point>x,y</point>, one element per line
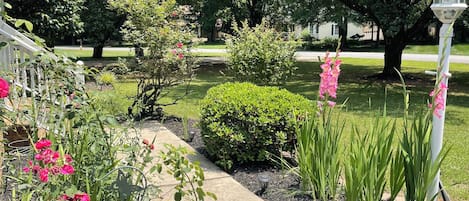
<point>281,186</point>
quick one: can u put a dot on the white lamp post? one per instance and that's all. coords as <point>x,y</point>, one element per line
<point>447,11</point>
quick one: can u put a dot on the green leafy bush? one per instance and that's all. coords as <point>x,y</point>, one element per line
<point>261,55</point>
<point>242,122</point>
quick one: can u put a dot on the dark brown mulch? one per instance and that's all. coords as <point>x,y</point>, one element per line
<point>281,186</point>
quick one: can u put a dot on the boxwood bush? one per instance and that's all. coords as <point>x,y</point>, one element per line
<point>242,122</point>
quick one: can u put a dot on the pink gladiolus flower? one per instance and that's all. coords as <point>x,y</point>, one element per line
<point>67,169</point>
<point>44,175</point>
<point>36,169</point>
<point>146,142</point>
<point>180,56</point>
<point>81,197</point>
<point>152,146</point>
<point>4,88</point>
<point>173,51</point>
<point>179,45</point>
<point>329,77</point>
<point>439,103</point>
<point>331,103</point>
<point>44,143</point>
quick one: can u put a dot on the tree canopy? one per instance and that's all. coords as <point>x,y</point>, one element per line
<point>100,24</point>
<point>400,21</point>
<point>52,19</point>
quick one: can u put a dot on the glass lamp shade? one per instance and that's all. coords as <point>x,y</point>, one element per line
<point>447,11</point>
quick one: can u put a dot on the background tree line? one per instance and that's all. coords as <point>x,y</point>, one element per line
<point>401,21</point>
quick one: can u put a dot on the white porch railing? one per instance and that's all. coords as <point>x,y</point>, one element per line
<point>29,82</point>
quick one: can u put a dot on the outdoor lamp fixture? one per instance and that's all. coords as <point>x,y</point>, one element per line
<point>263,181</point>
<point>447,11</point>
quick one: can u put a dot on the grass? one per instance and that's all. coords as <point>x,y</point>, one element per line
<point>456,49</point>
<point>87,53</point>
<point>363,97</point>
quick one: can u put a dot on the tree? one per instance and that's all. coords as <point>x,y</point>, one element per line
<point>100,24</point>
<point>238,10</point>
<point>400,21</point>
<point>52,20</point>
<point>159,26</point>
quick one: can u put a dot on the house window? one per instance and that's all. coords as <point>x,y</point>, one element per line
<point>334,29</point>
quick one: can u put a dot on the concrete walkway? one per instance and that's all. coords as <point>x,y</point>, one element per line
<point>216,180</point>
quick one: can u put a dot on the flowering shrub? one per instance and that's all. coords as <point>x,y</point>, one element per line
<point>46,177</point>
<point>157,25</point>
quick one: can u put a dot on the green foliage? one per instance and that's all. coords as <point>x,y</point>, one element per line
<point>120,68</point>
<point>261,55</point>
<point>318,156</point>
<point>241,122</point>
<point>106,78</point>
<point>159,26</point>
<point>52,20</point>
<point>369,156</point>
<point>419,171</point>
<point>186,173</point>
<point>325,43</point>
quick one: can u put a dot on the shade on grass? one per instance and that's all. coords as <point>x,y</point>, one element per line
<point>359,91</point>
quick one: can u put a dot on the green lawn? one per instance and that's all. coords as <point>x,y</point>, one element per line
<point>86,53</point>
<point>457,49</point>
<point>363,97</point>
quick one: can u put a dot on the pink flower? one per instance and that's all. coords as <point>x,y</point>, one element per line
<point>331,103</point>
<point>44,175</point>
<point>4,88</point>
<point>179,45</point>
<point>152,146</point>
<point>146,142</point>
<point>329,77</point>
<point>439,102</point>
<point>174,14</point>
<point>180,56</point>
<point>81,197</point>
<point>26,169</point>
<point>36,169</point>
<point>173,51</point>
<point>67,170</point>
<point>68,158</point>
<point>44,143</point>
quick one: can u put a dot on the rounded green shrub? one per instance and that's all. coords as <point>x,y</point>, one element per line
<point>242,122</point>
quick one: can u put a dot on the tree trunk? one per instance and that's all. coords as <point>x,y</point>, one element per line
<point>343,29</point>
<point>98,51</point>
<point>377,36</point>
<point>393,55</point>
<point>255,13</point>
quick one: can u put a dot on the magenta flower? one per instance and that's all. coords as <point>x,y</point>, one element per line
<point>44,175</point>
<point>44,143</point>
<point>81,197</point>
<point>179,45</point>
<point>331,103</point>
<point>26,169</point>
<point>4,88</point>
<point>329,77</point>
<point>439,103</point>
<point>67,169</point>
<point>68,158</point>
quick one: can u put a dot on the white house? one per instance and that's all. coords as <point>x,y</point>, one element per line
<point>331,30</point>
